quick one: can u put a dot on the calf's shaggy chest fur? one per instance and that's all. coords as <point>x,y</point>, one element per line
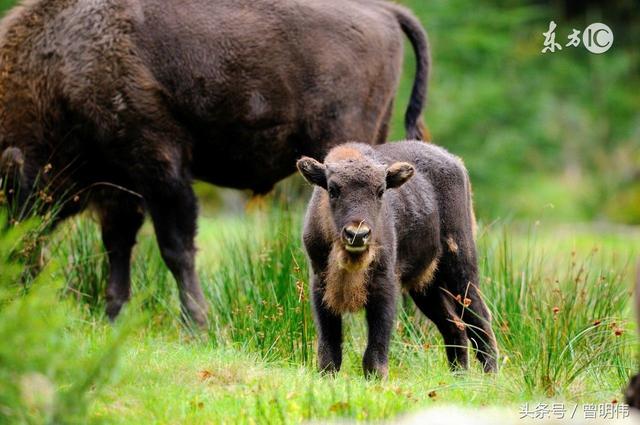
<point>391,217</point>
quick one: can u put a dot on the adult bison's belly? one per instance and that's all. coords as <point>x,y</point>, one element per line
<point>245,157</point>
<point>256,89</point>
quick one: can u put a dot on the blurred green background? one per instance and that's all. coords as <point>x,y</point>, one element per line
<point>553,135</point>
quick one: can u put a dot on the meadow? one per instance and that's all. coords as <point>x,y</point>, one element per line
<point>560,297</point>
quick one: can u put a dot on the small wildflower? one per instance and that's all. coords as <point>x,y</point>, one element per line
<point>47,168</point>
<point>300,290</point>
<point>205,374</point>
<point>597,322</point>
<point>556,310</point>
<point>618,331</point>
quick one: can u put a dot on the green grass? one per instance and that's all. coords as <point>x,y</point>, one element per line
<point>559,295</point>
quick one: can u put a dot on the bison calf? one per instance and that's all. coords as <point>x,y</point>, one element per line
<point>387,214</point>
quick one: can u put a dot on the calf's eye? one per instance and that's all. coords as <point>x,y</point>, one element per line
<point>334,192</point>
<point>380,192</point>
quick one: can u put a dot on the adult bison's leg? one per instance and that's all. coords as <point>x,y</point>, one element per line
<point>381,314</point>
<point>121,216</point>
<point>174,209</point>
<point>437,306</point>
<point>329,327</point>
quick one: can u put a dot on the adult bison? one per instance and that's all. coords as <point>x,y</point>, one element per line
<point>119,104</point>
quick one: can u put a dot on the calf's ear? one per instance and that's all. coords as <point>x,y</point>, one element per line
<point>313,171</point>
<point>398,173</point>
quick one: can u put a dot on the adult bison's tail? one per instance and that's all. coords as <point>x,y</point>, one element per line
<point>420,43</point>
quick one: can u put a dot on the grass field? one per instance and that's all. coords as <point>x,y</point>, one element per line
<point>560,297</point>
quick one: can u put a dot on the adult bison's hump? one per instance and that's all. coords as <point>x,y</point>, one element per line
<point>259,83</point>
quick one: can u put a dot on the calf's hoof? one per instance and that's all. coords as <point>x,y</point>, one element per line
<point>375,371</point>
<point>195,315</point>
<point>490,366</point>
<point>195,320</point>
<point>328,368</point>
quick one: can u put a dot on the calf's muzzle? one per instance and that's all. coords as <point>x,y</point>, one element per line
<point>356,237</point>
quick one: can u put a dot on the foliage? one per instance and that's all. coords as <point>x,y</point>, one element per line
<point>557,128</point>
<point>49,372</point>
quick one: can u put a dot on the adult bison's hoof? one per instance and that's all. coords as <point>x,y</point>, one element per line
<point>113,309</point>
<point>632,395</point>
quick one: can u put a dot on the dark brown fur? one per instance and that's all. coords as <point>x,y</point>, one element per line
<point>402,215</point>
<point>632,393</point>
<point>125,102</point>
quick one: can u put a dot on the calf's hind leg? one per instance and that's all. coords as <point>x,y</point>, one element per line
<point>121,216</point>
<point>478,319</point>
<point>439,308</point>
<point>459,274</point>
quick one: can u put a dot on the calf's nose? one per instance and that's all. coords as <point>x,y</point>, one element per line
<point>356,235</point>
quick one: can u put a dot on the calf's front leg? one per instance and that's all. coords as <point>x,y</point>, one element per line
<point>329,327</point>
<point>381,314</point>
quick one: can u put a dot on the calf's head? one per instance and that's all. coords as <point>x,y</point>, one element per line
<point>355,186</point>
